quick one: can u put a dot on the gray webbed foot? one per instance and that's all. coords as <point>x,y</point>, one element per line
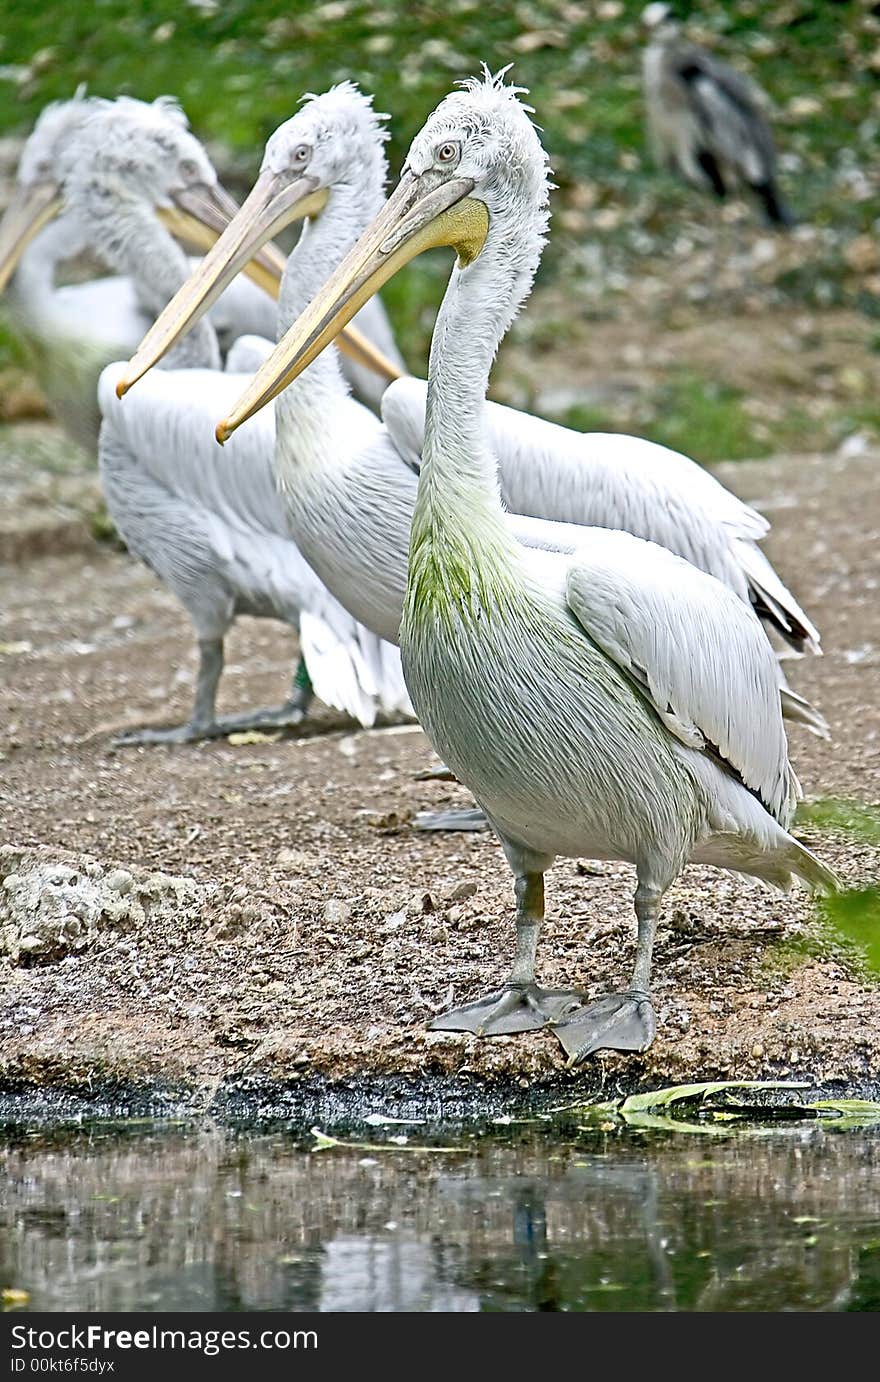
<point>287,716</point>
<point>456,818</point>
<point>617,1022</point>
<point>175,734</point>
<point>516,1008</point>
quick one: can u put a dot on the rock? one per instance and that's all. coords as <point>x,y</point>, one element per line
<point>862,254</point>
<point>120,881</point>
<point>51,907</point>
<point>461,891</point>
<point>395,921</point>
<point>298,859</point>
<point>336,912</point>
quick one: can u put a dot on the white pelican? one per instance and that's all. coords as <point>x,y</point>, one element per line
<point>599,696</point>
<point>79,328</point>
<point>333,459</point>
<point>704,119</point>
<point>216,536</point>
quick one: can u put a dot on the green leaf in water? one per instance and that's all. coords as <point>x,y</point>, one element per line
<point>688,1093</point>
<point>660,1122</point>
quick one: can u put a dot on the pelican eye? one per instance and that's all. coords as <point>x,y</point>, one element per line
<point>448,153</point>
<point>188,168</point>
<point>301,155</point>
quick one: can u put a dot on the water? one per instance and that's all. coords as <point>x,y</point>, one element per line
<point>125,1217</point>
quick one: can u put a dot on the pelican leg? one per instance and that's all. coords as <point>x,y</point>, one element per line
<point>520,1006</point>
<point>201,724</point>
<point>287,716</point>
<point>619,1021</point>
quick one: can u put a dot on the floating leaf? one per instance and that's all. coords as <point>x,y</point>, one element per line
<point>684,1093</point>
<point>12,1295</point>
<point>378,1120</point>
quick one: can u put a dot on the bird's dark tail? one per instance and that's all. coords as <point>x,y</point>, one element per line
<point>775,209</point>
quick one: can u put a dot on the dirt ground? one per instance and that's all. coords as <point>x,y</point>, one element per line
<point>319,932</point>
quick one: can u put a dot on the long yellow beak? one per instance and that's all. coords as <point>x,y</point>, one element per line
<point>31,209</point>
<point>420,214</point>
<point>272,203</point>
<point>199,215</point>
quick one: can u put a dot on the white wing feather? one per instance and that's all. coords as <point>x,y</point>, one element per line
<point>606,480</point>
<point>696,651</point>
<point>203,516</point>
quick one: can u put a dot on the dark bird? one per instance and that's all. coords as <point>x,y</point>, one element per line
<point>705,120</point>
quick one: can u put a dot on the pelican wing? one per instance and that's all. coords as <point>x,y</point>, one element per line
<point>726,108</point>
<point>608,480</point>
<point>105,312</point>
<point>696,651</point>
<point>205,516</point>
<point>167,424</point>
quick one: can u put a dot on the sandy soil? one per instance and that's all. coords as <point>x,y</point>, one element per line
<point>322,932</point>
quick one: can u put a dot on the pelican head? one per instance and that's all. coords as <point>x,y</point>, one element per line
<point>38,196</point>
<point>133,155</point>
<point>110,157</point>
<point>657,19</point>
<point>476,164</point>
<point>332,147</point>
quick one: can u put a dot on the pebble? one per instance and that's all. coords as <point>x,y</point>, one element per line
<point>461,891</point>
<point>120,881</point>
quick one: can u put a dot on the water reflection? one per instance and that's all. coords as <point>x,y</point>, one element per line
<point>113,1218</point>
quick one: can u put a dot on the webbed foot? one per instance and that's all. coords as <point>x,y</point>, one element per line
<point>287,716</point>
<point>175,734</point>
<point>515,1008</point>
<point>617,1022</point>
<point>456,818</point>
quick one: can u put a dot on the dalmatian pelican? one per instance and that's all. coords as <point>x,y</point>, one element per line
<point>350,482</point>
<point>75,329</point>
<point>218,538</point>
<point>599,695</point>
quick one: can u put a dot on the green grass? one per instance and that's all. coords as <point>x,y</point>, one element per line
<point>688,412</point>
<point>850,918</point>
<point>705,419</point>
<point>854,915</point>
<point>850,817</point>
<point>240,66</point>
<point>13,352</point>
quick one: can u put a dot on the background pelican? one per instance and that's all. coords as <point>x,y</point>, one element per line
<point>601,698</point>
<point>351,483</point>
<point>76,329</point>
<point>704,119</point>
<point>216,536</point>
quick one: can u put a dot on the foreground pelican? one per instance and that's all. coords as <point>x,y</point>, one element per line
<point>351,484</point>
<point>599,696</point>
<point>216,536</point>
<point>79,328</point>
